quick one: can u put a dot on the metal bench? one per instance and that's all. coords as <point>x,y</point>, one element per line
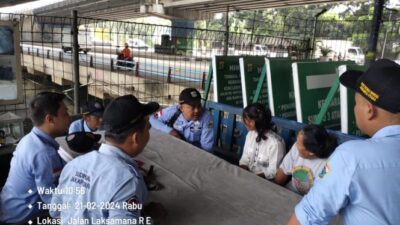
<point>230,132</point>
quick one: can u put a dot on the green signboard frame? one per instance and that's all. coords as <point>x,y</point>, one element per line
<point>251,72</point>
<point>312,82</point>
<point>226,79</point>
<point>348,120</point>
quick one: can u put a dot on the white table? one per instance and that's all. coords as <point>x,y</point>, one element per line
<point>202,189</point>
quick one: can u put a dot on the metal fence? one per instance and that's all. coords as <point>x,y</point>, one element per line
<point>166,59</point>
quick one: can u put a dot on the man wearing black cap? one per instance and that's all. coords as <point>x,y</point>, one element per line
<point>187,121</point>
<point>92,118</point>
<point>361,179</point>
<point>109,179</point>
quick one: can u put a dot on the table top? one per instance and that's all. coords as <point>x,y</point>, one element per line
<point>200,188</point>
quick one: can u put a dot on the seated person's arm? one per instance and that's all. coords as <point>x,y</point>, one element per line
<point>126,197</point>
<point>207,133</point>
<point>42,170</point>
<point>281,178</point>
<point>286,167</point>
<point>276,154</point>
<point>293,220</point>
<point>245,159</point>
<point>74,127</point>
<point>160,123</point>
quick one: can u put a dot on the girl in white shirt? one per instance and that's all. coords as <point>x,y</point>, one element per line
<point>263,148</point>
<point>306,158</point>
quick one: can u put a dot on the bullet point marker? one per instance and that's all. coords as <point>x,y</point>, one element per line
<point>30,191</point>
<point>30,222</point>
<point>30,206</point>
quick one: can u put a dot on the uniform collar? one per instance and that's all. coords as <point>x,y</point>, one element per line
<point>110,150</point>
<point>86,127</point>
<point>387,131</point>
<point>44,137</point>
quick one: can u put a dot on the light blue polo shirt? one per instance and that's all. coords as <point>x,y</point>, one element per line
<point>35,164</point>
<point>109,179</point>
<point>79,126</point>
<point>361,180</point>
<point>198,133</point>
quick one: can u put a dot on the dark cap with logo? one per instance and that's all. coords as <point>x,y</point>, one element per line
<point>380,84</point>
<point>124,112</point>
<point>189,96</point>
<point>94,108</point>
<point>82,142</point>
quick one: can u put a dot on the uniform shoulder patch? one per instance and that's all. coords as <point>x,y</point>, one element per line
<point>325,171</point>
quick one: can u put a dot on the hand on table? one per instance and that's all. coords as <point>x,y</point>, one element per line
<point>175,134</point>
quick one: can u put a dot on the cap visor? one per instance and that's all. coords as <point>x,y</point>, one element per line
<point>150,108</point>
<point>349,78</point>
<point>97,113</point>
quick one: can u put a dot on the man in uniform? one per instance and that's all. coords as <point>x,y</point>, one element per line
<point>187,121</point>
<point>92,118</point>
<point>108,181</point>
<point>35,164</point>
<point>361,179</point>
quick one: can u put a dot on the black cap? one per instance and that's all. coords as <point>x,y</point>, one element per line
<point>82,142</point>
<point>123,112</point>
<point>94,108</point>
<point>380,84</point>
<point>189,96</point>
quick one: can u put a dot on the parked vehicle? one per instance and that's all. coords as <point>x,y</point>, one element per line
<point>339,50</point>
<point>137,44</point>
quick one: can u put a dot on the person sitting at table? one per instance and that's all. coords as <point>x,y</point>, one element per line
<point>187,121</point>
<point>263,149</point>
<point>110,175</point>
<point>306,158</point>
<point>92,118</point>
<point>35,163</point>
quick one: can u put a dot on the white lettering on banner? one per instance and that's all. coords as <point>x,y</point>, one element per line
<point>230,76</point>
<point>329,116</point>
<point>234,68</point>
<point>334,102</point>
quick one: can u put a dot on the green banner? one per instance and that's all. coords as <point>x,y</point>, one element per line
<point>280,87</point>
<point>312,82</point>
<point>348,120</point>
<point>227,83</point>
<point>250,72</point>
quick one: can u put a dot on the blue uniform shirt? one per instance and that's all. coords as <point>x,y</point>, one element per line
<point>35,164</point>
<point>198,133</point>
<point>104,180</point>
<point>79,125</point>
<point>361,180</point>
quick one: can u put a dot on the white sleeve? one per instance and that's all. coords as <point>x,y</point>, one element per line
<point>289,160</point>
<point>277,150</point>
<point>245,159</point>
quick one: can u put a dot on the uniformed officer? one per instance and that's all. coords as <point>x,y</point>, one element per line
<point>187,121</point>
<point>107,183</point>
<point>92,117</point>
<point>35,164</point>
<point>361,179</point>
